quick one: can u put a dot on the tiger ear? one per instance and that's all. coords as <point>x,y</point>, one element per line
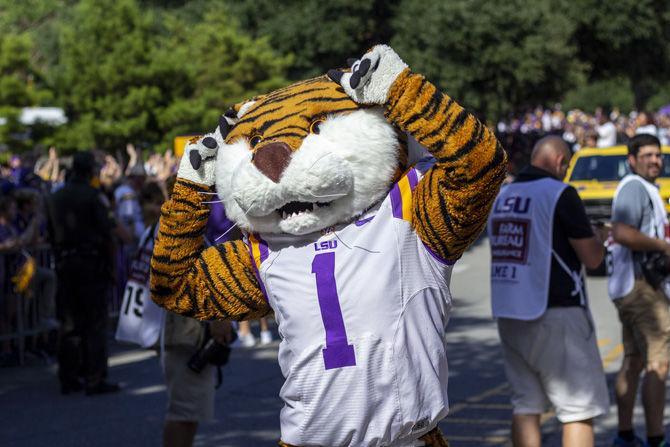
<point>233,115</point>
<point>241,108</point>
<point>227,121</point>
<point>244,108</point>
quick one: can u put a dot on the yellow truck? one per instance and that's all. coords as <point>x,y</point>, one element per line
<point>595,174</point>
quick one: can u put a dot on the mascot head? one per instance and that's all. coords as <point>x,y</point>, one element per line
<point>304,158</point>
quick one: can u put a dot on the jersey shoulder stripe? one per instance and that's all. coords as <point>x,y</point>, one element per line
<point>258,251</point>
<point>401,195</point>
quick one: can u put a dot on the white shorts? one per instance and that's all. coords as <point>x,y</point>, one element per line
<point>190,394</point>
<point>555,360</point>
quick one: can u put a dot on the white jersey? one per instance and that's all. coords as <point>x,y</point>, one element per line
<point>520,231</point>
<point>140,319</point>
<point>362,310</point>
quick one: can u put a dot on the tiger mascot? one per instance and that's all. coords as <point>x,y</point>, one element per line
<point>350,246</point>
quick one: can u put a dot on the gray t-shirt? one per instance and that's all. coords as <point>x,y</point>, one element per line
<point>634,208</point>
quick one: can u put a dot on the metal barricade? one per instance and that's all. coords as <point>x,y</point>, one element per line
<point>23,315</point>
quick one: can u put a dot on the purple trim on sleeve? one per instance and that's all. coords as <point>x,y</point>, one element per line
<point>260,283</point>
<point>396,196</point>
<point>256,272</point>
<point>413,178</point>
<point>436,256</point>
<point>263,248</point>
<point>360,223</point>
<point>396,202</point>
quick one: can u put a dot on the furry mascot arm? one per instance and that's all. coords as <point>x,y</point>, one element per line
<point>213,283</point>
<point>454,198</point>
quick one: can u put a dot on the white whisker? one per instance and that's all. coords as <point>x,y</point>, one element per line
<point>319,159</point>
<point>208,193</point>
<point>355,246</point>
<point>213,201</point>
<point>339,239</point>
<point>234,224</point>
<point>328,195</point>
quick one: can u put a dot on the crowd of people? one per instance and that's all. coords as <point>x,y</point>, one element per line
<point>603,128</point>
<point>26,244</point>
<point>75,231</point>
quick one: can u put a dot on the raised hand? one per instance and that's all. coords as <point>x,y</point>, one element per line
<point>372,76</point>
<point>110,171</point>
<point>199,160</point>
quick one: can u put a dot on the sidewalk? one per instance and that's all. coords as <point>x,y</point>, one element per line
<point>34,413</point>
<point>247,404</point>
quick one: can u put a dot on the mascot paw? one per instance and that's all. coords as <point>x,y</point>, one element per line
<point>372,76</point>
<point>199,161</point>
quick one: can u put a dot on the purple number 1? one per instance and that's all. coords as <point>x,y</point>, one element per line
<point>338,353</point>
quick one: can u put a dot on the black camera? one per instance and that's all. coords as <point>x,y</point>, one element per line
<point>655,268</point>
<point>211,353</point>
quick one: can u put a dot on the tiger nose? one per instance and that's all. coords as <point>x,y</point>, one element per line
<point>272,159</point>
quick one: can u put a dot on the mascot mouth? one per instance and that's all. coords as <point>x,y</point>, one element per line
<point>294,208</point>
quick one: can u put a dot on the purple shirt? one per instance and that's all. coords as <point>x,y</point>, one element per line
<point>218,224</point>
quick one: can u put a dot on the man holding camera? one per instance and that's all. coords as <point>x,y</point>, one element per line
<point>640,231</point>
<point>191,349</point>
<point>190,375</point>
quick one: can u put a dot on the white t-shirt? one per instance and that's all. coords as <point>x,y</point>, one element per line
<point>649,129</point>
<point>606,134</point>
<point>128,209</point>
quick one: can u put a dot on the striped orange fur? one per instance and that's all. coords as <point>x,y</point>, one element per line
<point>286,114</point>
<point>213,283</point>
<point>454,198</point>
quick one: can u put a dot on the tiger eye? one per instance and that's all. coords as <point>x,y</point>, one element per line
<point>253,142</point>
<point>315,127</point>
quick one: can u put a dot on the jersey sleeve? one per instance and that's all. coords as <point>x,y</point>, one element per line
<point>213,283</point>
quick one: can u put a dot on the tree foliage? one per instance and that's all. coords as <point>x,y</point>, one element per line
<point>20,86</point>
<point>143,71</point>
<point>628,38</point>
<point>123,76</point>
<point>495,56</point>
<point>321,35</point>
<point>220,66</point>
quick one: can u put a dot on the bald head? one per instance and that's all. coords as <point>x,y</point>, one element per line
<point>551,154</point>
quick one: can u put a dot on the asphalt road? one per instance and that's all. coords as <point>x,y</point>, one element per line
<point>33,413</point>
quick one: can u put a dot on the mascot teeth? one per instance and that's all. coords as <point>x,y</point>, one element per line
<point>297,208</point>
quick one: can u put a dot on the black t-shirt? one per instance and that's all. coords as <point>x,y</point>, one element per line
<point>570,221</point>
<point>79,219</point>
